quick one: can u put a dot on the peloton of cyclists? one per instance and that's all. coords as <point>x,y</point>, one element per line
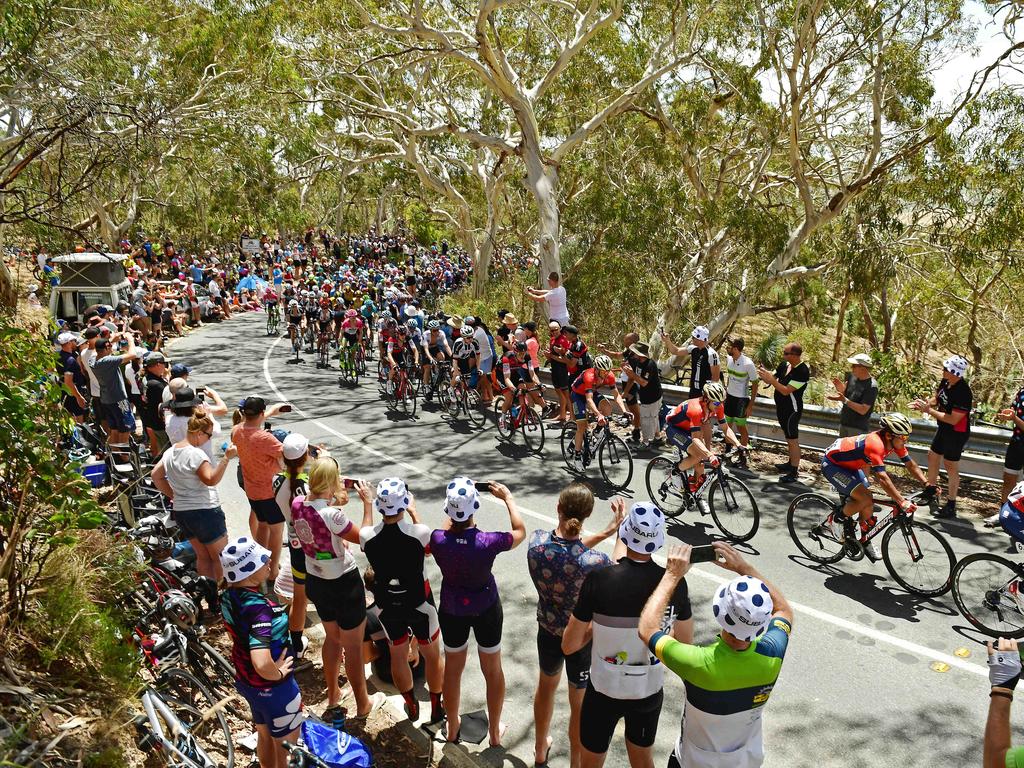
<point>436,349</point>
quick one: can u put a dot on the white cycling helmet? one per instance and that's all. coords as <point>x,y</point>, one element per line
<point>714,392</point>
<point>896,424</point>
<point>293,303</point>
<point>465,331</point>
<point>603,363</point>
<point>743,607</point>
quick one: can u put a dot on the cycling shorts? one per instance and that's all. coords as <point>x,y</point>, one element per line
<point>351,338</point>
<point>680,438</point>
<point>519,376</point>
<point>949,444</point>
<point>421,622</point>
<point>789,421</point>
<point>278,707</point>
<point>341,600</point>
<point>579,403</point>
<point>292,320</point>
<point>549,652</point>
<point>298,562</point>
<point>600,715</point>
<point>437,353</point>
<point>1012,521</point>
<point>486,629</point>
<point>736,410</point>
<point>1014,456</point>
<point>325,325</point>
<point>842,479</point>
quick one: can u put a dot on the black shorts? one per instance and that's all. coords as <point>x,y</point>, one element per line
<point>266,511</point>
<point>486,629</point>
<point>297,558</point>
<point>71,406</point>
<point>789,420</point>
<point>949,444</point>
<point>519,376</point>
<point>1014,456</point>
<point>600,715</point>
<point>399,622</point>
<point>341,600</point>
<point>736,407</point>
<point>549,652</point>
<point>629,398</point>
<point>559,376</point>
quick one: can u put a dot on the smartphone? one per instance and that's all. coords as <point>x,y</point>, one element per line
<point>350,483</point>
<point>314,451</point>
<point>285,409</point>
<point>200,392</point>
<point>703,554</point>
<point>484,486</point>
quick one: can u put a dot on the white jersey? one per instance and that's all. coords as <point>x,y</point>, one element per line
<point>742,373</point>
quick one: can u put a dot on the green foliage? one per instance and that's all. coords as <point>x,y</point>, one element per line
<point>768,351</point>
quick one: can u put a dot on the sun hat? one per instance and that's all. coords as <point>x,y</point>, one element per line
<point>241,558</point>
<point>392,497</point>
<point>701,333</point>
<point>510,319</point>
<point>640,349</point>
<point>956,365</point>
<point>743,607</point>
<point>860,359</point>
<point>643,529</point>
<point>462,499</point>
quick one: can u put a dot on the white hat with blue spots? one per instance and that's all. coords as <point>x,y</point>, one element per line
<point>643,529</point>
<point>392,497</point>
<point>743,607</point>
<point>241,558</point>
<point>462,499</point>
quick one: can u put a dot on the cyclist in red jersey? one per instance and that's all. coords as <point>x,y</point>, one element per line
<point>684,425</point>
<point>585,398</point>
<point>844,462</point>
<point>518,369</point>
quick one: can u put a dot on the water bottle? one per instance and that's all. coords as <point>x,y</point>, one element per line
<point>515,411</point>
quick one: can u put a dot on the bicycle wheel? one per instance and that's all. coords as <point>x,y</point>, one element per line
<point>918,557</point>
<point>444,393</point>
<point>987,590</point>
<point>270,324</point>
<point>455,401</point>
<point>218,670</point>
<point>503,422</point>
<point>615,461</point>
<point>475,408</point>
<point>568,444</point>
<point>666,497</point>
<point>814,531</point>
<point>533,431</point>
<point>195,706</point>
<point>733,508</point>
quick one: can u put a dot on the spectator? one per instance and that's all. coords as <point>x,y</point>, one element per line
<point>857,394</point>
<point>259,454</point>
<point>728,682</point>
<point>741,391</point>
<point>288,486</point>
<point>625,680</point>
<point>951,407</point>
<point>185,475</point>
<point>1004,668</point>
<point>483,337</point>
<point>1014,460</point>
<point>789,382</point>
<point>558,348</point>
<point>155,365</point>
<point>509,332</point>
<point>629,386</point>
<point>704,363</point>
<point>85,359</point>
<point>260,651</point>
<point>187,403</point>
<point>554,298</point>
<point>643,372</point>
<point>109,371</point>
<point>559,561</point>
<point>73,378</point>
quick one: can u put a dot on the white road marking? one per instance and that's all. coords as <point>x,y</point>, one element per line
<point>828,618</point>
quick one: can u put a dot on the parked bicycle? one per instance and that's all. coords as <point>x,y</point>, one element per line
<point>521,417</point>
<point>916,555</point>
<point>613,456</point>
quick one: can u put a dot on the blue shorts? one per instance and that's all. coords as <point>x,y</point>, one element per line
<point>843,480</point>
<point>486,366</point>
<point>279,706</point>
<point>579,403</point>
<point>1012,521</point>
<point>206,525</point>
<point>681,439</point>
<point>119,416</point>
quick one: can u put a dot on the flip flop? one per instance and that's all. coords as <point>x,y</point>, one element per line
<point>502,730</point>
<point>376,702</point>
<point>544,763</point>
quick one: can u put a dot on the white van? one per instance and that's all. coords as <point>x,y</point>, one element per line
<point>87,279</point>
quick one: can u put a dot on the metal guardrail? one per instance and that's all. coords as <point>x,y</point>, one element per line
<point>982,459</point>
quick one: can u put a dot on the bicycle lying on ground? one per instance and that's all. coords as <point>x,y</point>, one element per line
<point>916,555</point>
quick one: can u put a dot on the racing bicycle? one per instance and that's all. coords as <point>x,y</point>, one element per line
<point>323,349</point>
<point>987,588</point>
<point>295,332</point>
<point>402,395</point>
<point>729,501</point>
<point>916,555</point>
<point>439,381</point>
<point>613,457</point>
<point>520,417</point>
<point>463,399</point>
<point>348,361</point>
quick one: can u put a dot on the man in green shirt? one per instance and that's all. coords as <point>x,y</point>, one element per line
<point>728,682</point>
<point>1004,669</point>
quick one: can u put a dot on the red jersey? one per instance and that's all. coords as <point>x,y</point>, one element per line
<point>690,415</point>
<point>863,451</point>
<point>589,380</point>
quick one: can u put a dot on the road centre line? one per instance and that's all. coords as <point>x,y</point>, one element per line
<point>836,621</point>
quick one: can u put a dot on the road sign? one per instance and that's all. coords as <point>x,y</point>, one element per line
<point>250,245</point>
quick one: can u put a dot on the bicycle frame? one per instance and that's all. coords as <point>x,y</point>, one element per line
<point>523,396</point>
<point>895,516</point>
<point>156,711</point>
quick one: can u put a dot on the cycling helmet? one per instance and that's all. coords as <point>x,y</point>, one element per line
<point>402,329</point>
<point>411,324</point>
<point>350,313</point>
<point>325,302</point>
<point>896,424</point>
<point>743,607</point>
<point>466,331</point>
<point>714,392</point>
<point>293,303</point>
<point>603,363</point>
<point>520,346</point>
<point>178,608</point>
<point>434,325</point>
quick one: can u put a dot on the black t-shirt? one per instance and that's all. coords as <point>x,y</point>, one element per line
<point>69,364</point>
<point>864,392</point>
<point>396,553</point>
<point>702,360</point>
<point>152,398</point>
<point>955,397</point>
<point>648,369</point>
<point>798,378</point>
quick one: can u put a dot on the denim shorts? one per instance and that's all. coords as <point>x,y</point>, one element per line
<point>206,525</point>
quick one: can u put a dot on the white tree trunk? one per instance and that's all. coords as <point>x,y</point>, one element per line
<point>542,181</point>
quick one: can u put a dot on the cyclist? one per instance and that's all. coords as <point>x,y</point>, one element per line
<point>684,425</point>
<point>435,345</point>
<point>324,322</point>
<point>312,309</point>
<point>398,353</point>
<point>517,370</point>
<point>270,299</point>
<point>338,311</point>
<point>844,462</point>
<point>586,399</point>
<point>352,330</point>
<point>466,354</point>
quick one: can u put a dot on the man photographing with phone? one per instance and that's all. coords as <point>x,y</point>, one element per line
<point>729,681</point>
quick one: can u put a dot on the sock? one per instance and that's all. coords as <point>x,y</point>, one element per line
<point>436,708</point>
<point>296,641</point>
<point>411,705</point>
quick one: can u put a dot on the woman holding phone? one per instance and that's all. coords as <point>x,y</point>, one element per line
<point>469,596</point>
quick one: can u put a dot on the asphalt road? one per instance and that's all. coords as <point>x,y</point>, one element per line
<point>873,676</point>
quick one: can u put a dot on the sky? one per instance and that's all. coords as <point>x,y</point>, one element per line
<point>990,42</point>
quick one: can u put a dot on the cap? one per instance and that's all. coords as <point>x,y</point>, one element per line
<point>180,369</point>
<point>253,405</point>
<point>640,349</point>
<point>860,359</point>
<point>462,499</point>
<point>956,365</point>
<point>743,607</point>
<point>701,333</point>
<point>295,446</point>
<point>154,358</point>
<point>571,329</point>
<point>643,529</point>
<point>392,497</point>
<point>530,326</point>
<point>91,332</point>
<point>102,344</point>
<point>66,338</point>
<point>241,558</point>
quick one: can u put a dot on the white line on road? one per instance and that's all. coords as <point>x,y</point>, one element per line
<point>836,621</point>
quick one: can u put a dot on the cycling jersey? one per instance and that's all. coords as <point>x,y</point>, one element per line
<point>742,373</point>
<point>435,342</point>
<point>863,451</point>
<point>510,364</point>
<point>325,316</point>
<point>464,349</point>
<point>1016,497</point>
<point>692,414</point>
<point>702,360</point>
<point>586,382</point>
<point>352,326</point>
<point>397,348</point>
<point>294,315</point>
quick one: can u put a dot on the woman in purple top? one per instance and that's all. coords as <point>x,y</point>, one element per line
<point>469,597</point>
<point>559,561</point>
